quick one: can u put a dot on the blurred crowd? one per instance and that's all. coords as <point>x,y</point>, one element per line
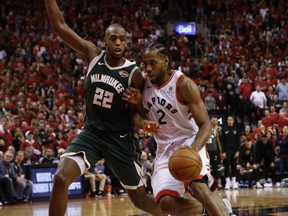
<point>242,71</point>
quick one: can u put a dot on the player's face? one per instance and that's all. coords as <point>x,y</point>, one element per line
<point>155,66</point>
<point>115,41</point>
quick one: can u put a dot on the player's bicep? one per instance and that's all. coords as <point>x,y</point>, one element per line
<point>199,112</point>
<point>137,80</point>
<point>190,94</point>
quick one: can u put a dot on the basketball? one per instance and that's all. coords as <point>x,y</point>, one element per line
<point>185,164</point>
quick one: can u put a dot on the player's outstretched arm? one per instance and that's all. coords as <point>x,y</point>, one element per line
<point>70,37</point>
<point>190,95</point>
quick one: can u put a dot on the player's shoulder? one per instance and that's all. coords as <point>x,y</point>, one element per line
<point>129,62</point>
<point>185,82</point>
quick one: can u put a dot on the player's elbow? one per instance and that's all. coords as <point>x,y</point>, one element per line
<point>59,29</point>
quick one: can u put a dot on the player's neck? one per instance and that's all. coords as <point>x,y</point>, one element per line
<point>112,62</point>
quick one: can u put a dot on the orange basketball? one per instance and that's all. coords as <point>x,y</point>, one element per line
<point>185,164</point>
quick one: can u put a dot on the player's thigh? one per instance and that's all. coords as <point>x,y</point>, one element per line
<point>86,144</point>
<point>163,183</point>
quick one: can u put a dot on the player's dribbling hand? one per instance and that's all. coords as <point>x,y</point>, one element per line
<point>151,127</point>
<point>132,95</point>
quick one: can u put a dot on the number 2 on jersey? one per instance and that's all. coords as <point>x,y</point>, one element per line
<point>103,98</point>
<point>161,118</point>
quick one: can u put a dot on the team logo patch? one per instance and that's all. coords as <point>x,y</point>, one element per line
<point>170,89</point>
<point>123,73</point>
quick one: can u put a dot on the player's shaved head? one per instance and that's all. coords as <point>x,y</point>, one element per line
<point>114,27</point>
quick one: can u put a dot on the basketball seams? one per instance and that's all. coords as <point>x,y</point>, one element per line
<point>189,158</point>
<point>190,166</point>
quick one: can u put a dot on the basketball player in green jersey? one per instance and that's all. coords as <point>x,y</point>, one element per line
<point>108,131</point>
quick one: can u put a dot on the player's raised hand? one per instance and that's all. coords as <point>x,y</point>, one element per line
<point>132,95</point>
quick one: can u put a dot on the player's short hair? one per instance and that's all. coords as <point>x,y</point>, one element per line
<point>160,48</point>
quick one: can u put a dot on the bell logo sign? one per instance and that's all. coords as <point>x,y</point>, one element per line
<point>185,28</point>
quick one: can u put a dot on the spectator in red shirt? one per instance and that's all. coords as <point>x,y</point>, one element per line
<point>61,100</point>
<point>260,130</point>
<point>248,132</point>
<point>274,115</point>
<point>267,119</point>
<point>15,123</point>
<point>5,136</point>
<point>80,120</point>
<point>30,142</point>
<point>271,80</point>
<point>74,132</point>
<point>261,82</point>
<point>269,72</point>
<point>79,89</point>
<point>282,121</point>
<point>246,88</point>
<point>65,141</point>
<point>211,88</point>
<point>25,126</point>
<point>205,68</point>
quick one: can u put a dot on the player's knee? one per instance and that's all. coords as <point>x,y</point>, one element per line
<point>61,180</point>
<point>168,205</point>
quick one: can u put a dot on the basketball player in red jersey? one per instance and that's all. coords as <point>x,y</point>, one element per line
<point>173,100</point>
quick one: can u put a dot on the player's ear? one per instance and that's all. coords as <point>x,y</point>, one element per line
<point>166,60</point>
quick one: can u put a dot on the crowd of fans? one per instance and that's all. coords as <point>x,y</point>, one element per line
<point>242,72</point>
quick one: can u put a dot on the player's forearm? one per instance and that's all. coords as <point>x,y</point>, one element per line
<point>202,136</point>
<point>55,15</point>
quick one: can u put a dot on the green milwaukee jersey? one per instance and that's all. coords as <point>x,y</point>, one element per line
<point>211,143</point>
<point>104,87</point>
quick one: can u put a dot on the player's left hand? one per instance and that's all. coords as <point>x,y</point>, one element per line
<point>152,127</point>
<point>132,95</point>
